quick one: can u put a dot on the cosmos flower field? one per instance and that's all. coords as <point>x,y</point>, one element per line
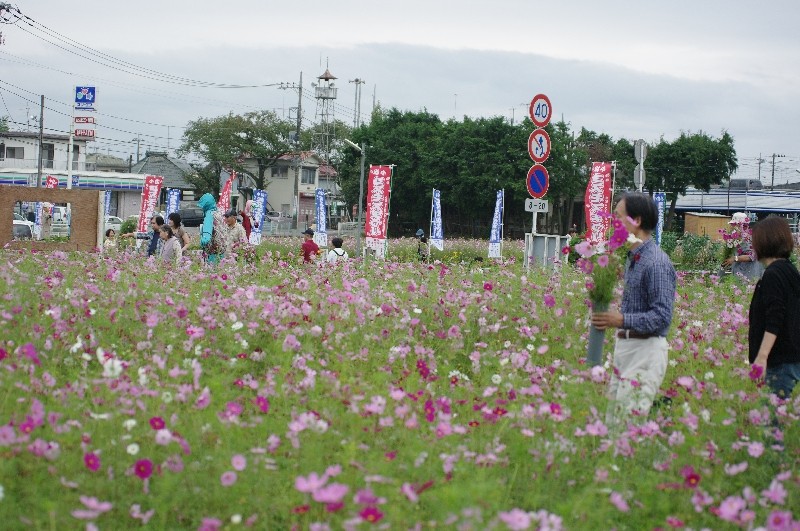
<point>393,395</point>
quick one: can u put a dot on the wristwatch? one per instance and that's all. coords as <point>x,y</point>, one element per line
<point>736,258</point>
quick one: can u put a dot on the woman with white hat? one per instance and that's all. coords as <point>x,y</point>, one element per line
<point>743,262</point>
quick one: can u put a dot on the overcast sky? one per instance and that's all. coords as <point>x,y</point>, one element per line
<point>628,69</point>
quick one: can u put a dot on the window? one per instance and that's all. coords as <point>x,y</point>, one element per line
<point>76,151</point>
<point>308,176</point>
<point>280,172</point>
<point>2,151</point>
<point>15,153</point>
<point>48,155</point>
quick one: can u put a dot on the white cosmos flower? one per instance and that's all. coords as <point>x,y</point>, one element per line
<point>77,346</point>
<point>708,376</point>
<point>417,311</point>
<point>132,449</point>
<point>112,368</point>
<point>166,397</point>
<point>496,379</point>
<point>100,416</point>
<point>236,519</point>
<point>129,424</point>
<point>238,325</point>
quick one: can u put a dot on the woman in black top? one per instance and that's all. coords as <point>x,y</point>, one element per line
<point>773,340</point>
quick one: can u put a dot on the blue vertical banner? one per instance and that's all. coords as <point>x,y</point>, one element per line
<point>437,232</point>
<point>173,200</point>
<point>37,221</point>
<point>321,234</point>
<point>661,205</point>
<point>257,210</point>
<point>107,209</point>
<point>496,236</point>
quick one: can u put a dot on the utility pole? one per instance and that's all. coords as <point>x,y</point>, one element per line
<point>760,162</point>
<point>772,186</point>
<point>138,139</point>
<point>41,142</point>
<point>357,118</point>
<point>299,88</point>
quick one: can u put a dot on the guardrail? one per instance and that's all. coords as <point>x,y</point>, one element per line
<point>349,228</point>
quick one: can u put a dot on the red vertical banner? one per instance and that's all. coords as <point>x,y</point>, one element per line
<point>51,182</point>
<point>379,187</point>
<point>597,202</point>
<point>150,192</point>
<point>224,203</point>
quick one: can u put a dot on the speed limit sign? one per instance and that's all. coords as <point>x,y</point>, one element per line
<point>540,110</point>
<point>539,145</point>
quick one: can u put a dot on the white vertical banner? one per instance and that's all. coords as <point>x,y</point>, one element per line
<point>321,234</point>
<point>496,236</point>
<point>107,203</point>
<point>437,232</point>
<point>661,205</point>
<point>257,210</point>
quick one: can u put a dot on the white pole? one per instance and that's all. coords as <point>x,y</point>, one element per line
<point>69,148</point>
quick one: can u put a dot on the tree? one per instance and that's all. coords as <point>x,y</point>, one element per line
<point>205,179</point>
<point>4,124</point>
<point>690,160</point>
<point>232,140</point>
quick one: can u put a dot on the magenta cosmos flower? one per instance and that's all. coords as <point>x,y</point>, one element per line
<point>92,461</point>
<point>143,468</point>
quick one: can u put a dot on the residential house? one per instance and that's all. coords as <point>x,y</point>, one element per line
<point>292,182</point>
<point>173,170</point>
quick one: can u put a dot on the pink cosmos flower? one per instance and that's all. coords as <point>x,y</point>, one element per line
<point>549,300</point>
<point>487,286</point>
<point>779,520</point>
<point>619,502</point>
<point>263,404</point>
<point>92,461</point>
<point>602,260</point>
<point>228,478</point>
<point>157,423</point>
<point>311,483</point>
<point>143,468</point>
<point>239,462</point>
<point>409,492</point>
<point>515,519</point>
<point>136,512</point>
<point>755,449</point>
<point>730,508</point>
<point>776,493</point>
<point>332,493</point>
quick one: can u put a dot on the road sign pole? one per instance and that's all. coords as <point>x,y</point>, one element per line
<point>533,227</point>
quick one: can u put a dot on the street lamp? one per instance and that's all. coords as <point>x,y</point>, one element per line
<point>363,150</point>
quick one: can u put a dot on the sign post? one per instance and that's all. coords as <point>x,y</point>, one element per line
<point>640,152</point>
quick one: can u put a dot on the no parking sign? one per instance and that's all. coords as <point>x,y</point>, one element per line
<point>538,181</point>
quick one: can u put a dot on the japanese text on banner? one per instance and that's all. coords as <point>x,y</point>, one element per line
<point>150,193</point>
<point>597,202</point>
<point>378,193</point>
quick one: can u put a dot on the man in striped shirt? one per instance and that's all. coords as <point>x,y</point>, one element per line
<point>644,317</point>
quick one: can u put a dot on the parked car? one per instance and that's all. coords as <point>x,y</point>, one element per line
<point>113,222</point>
<point>22,230</point>
<point>276,216</point>
<point>21,219</point>
<point>191,217</point>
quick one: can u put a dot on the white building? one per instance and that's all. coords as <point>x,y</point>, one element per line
<point>19,160</point>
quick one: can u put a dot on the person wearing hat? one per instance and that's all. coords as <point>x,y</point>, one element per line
<point>235,235</point>
<point>743,262</point>
<point>423,250</point>
<point>310,248</point>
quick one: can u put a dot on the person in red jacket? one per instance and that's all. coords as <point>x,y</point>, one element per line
<point>310,249</point>
<point>246,218</point>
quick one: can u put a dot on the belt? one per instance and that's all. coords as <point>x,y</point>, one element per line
<point>631,334</point>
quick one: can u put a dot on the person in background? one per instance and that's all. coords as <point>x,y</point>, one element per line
<point>174,221</point>
<point>212,232</point>
<point>644,317</point>
<point>154,247</point>
<point>234,233</point>
<point>246,222</point>
<point>110,243</point>
<point>337,253</point>
<point>774,308</point>
<point>309,248</point>
<point>744,261</point>
<point>423,250</point>
<point>171,247</point>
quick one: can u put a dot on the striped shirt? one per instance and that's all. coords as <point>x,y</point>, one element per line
<point>649,290</point>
